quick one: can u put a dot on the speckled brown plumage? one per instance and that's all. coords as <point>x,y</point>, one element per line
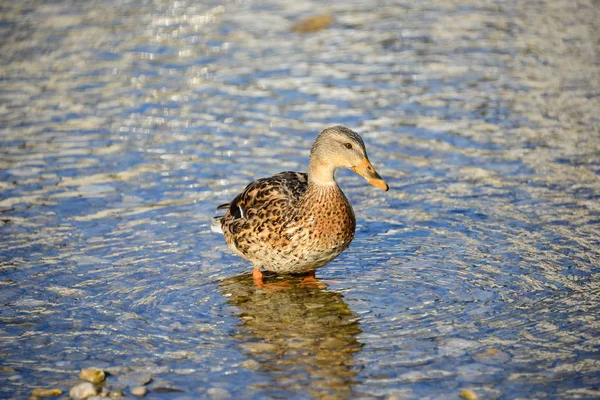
<point>294,222</point>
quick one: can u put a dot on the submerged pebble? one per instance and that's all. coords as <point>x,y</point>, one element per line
<point>313,24</point>
<point>83,390</point>
<point>258,347</point>
<point>492,356</point>
<point>218,394</point>
<point>44,392</point>
<point>139,391</point>
<point>93,375</point>
<point>135,379</point>
<point>250,364</point>
<point>468,394</point>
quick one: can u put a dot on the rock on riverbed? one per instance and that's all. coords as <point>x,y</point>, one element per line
<point>83,391</point>
<point>93,375</point>
<point>44,392</point>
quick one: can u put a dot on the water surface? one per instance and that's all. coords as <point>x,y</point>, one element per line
<point>125,123</point>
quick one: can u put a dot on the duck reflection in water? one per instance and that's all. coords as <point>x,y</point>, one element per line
<point>303,338</point>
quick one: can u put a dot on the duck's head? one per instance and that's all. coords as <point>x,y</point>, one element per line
<point>340,147</point>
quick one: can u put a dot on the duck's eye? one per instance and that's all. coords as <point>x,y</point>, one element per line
<point>348,145</point>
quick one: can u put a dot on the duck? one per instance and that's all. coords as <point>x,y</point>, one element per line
<point>295,222</point>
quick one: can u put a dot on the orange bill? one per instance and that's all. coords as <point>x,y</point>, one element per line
<point>366,170</point>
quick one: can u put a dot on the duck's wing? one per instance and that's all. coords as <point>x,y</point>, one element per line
<point>263,196</point>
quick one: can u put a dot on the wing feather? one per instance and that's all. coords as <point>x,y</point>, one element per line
<point>281,191</point>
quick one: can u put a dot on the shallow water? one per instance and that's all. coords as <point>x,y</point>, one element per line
<point>125,123</point>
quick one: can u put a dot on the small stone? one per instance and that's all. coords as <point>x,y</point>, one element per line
<point>116,394</point>
<point>468,394</point>
<point>139,391</point>
<point>94,375</point>
<point>218,394</point>
<point>492,356</point>
<point>43,392</point>
<point>7,369</point>
<point>135,379</point>
<point>259,347</point>
<point>251,365</point>
<point>83,391</point>
<point>313,24</point>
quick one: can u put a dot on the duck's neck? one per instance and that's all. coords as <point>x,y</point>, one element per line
<point>323,192</point>
<point>320,173</point>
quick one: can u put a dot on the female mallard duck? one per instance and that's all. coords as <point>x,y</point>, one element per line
<point>293,222</point>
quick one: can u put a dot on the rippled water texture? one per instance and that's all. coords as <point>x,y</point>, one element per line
<point>125,123</point>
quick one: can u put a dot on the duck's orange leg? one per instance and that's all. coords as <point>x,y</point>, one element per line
<point>310,280</point>
<point>257,277</point>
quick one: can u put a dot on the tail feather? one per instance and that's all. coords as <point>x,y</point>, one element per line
<point>217,221</point>
<point>216,225</point>
<point>223,206</point>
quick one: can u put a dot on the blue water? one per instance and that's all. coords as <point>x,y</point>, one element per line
<point>124,124</point>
